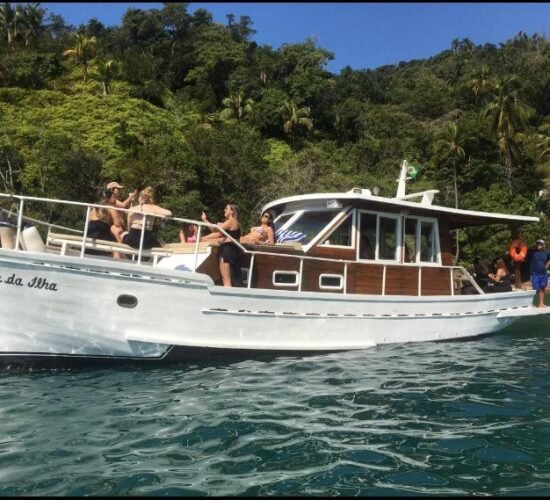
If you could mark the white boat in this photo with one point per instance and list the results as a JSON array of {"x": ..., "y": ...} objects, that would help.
[{"x": 367, "y": 270}]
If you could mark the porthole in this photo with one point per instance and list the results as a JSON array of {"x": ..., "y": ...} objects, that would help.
[
  {"x": 285, "y": 278},
  {"x": 128, "y": 301},
  {"x": 331, "y": 281}
]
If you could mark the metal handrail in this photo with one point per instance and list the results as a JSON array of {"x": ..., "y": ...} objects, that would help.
[{"x": 201, "y": 224}]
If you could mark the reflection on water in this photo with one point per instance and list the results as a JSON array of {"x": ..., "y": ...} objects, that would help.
[{"x": 430, "y": 418}]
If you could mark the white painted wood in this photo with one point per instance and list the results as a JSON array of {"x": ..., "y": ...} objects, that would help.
[{"x": 67, "y": 321}]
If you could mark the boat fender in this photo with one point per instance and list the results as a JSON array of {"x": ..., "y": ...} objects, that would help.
[{"x": 517, "y": 251}]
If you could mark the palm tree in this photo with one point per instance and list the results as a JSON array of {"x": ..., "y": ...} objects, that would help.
[
  {"x": 480, "y": 81},
  {"x": 9, "y": 20},
  {"x": 544, "y": 141},
  {"x": 107, "y": 71},
  {"x": 83, "y": 52},
  {"x": 32, "y": 16},
  {"x": 449, "y": 147},
  {"x": 294, "y": 118},
  {"x": 236, "y": 107},
  {"x": 508, "y": 117}
]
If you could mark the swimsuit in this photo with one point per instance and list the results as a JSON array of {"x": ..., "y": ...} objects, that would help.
[{"x": 229, "y": 253}]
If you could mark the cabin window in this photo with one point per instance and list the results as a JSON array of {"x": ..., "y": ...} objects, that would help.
[
  {"x": 420, "y": 241},
  {"x": 367, "y": 241},
  {"x": 409, "y": 241},
  {"x": 281, "y": 221},
  {"x": 331, "y": 281},
  {"x": 342, "y": 235},
  {"x": 307, "y": 226},
  {"x": 379, "y": 236},
  {"x": 285, "y": 278},
  {"x": 387, "y": 238},
  {"x": 428, "y": 246}
]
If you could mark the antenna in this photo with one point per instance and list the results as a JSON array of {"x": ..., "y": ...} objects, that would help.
[{"x": 402, "y": 181}]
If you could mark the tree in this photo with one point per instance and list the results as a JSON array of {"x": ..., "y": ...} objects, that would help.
[
  {"x": 106, "y": 70},
  {"x": 83, "y": 52},
  {"x": 480, "y": 81},
  {"x": 295, "y": 118},
  {"x": 449, "y": 147},
  {"x": 508, "y": 117},
  {"x": 32, "y": 17},
  {"x": 216, "y": 55},
  {"x": 9, "y": 19},
  {"x": 11, "y": 165},
  {"x": 236, "y": 107}
]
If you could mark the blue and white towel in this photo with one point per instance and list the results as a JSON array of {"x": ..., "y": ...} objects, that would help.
[{"x": 288, "y": 236}]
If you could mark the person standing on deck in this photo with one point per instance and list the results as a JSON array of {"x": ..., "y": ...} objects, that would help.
[
  {"x": 228, "y": 252},
  {"x": 538, "y": 266}
]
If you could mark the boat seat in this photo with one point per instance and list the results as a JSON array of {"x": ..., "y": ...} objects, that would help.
[
  {"x": 31, "y": 241},
  {"x": 70, "y": 241},
  {"x": 267, "y": 247},
  {"x": 181, "y": 248}
]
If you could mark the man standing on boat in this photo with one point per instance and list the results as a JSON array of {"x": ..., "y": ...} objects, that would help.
[
  {"x": 116, "y": 188},
  {"x": 538, "y": 267}
]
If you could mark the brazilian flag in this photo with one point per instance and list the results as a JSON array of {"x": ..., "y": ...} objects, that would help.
[{"x": 413, "y": 170}]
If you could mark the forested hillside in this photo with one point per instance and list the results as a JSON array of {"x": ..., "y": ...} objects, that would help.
[{"x": 207, "y": 116}]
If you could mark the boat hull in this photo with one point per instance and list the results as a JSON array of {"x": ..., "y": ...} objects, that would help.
[{"x": 72, "y": 308}]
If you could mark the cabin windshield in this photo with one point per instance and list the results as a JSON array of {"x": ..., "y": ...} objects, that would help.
[
  {"x": 282, "y": 220},
  {"x": 342, "y": 235},
  {"x": 308, "y": 225}
]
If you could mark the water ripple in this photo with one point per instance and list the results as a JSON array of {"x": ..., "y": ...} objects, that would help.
[{"x": 434, "y": 418}]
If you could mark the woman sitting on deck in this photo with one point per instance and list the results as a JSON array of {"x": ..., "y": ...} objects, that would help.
[
  {"x": 101, "y": 219},
  {"x": 501, "y": 279},
  {"x": 264, "y": 233},
  {"x": 135, "y": 220},
  {"x": 188, "y": 233}
]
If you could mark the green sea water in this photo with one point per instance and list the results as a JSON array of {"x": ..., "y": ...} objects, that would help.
[{"x": 450, "y": 418}]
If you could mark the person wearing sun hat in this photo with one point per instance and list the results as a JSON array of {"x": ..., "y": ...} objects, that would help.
[
  {"x": 538, "y": 266},
  {"x": 116, "y": 188}
]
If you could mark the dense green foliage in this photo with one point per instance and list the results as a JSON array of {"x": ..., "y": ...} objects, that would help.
[{"x": 205, "y": 115}]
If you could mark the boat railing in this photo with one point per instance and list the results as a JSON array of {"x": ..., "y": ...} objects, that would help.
[
  {"x": 456, "y": 273},
  {"x": 20, "y": 206}
]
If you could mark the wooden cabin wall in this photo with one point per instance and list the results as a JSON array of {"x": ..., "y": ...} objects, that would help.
[
  {"x": 436, "y": 281},
  {"x": 401, "y": 280},
  {"x": 265, "y": 265},
  {"x": 362, "y": 278},
  {"x": 332, "y": 253},
  {"x": 445, "y": 242},
  {"x": 365, "y": 278},
  {"x": 211, "y": 267},
  {"x": 314, "y": 268}
]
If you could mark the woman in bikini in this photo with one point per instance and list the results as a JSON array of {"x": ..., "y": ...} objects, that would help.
[
  {"x": 263, "y": 233},
  {"x": 135, "y": 220}
]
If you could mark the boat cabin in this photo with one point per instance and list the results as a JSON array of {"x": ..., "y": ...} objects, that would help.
[
  {"x": 353, "y": 242},
  {"x": 360, "y": 243}
]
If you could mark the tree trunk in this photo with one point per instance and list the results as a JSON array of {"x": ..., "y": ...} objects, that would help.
[
  {"x": 456, "y": 206},
  {"x": 508, "y": 168},
  {"x": 104, "y": 83}
]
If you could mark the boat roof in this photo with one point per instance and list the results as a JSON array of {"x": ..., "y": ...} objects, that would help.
[{"x": 456, "y": 216}]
